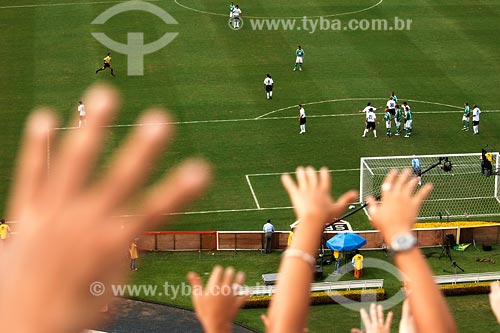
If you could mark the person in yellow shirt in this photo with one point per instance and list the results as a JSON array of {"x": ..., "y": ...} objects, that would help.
[
  {"x": 4, "y": 230},
  {"x": 107, "y": 64},
  {"x": 290, "y": 237},
  {"x": 133, "y": 254},
  {"x": 357, "y": 262},
  {"x": 338, "y": 261}
]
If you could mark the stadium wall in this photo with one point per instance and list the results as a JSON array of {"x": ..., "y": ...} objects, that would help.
[{"x": 254, "y": 240}]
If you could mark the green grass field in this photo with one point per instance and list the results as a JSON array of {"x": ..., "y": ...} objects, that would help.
[
  {"x": 472, "y": 313},
  {"x": 210, "y": 78}
]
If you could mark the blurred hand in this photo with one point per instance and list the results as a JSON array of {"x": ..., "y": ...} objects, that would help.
[
  {"x": 69, "y": 235},
  {"x": 399, "y": 205},
  {"x": 217, "y": 304},
  {"x": 311, "y": 196},
  {"x": 407, "y": 324},
  {"x": 374, "y": 323},
  {"x": 495, "y": 299}
]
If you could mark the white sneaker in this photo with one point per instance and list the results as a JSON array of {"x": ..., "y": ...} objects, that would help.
[{"x": 363, "y": 136}]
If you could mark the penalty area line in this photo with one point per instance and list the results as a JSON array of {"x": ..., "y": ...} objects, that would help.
[
  {"x": 213, "y": 211},
  {"x": 253, "y": 192}
]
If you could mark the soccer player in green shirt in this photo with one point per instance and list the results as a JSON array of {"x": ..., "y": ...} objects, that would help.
[
  {"x": 408, "y": 119},
  {"x": 231, "y": 8},
  {"x": 388, "y": 122},
  {"x": 107, "y": 64},
  {"x": 300, "y": 58},
  {"x": 394, "y": 97},
  {"x": 466, "y": 117},
  {"x": 398, "y": 118}
]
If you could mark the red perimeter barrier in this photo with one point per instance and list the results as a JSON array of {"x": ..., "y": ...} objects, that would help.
[{"x": 178, "y": 240}]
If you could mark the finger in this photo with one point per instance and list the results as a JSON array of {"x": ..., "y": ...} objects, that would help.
[
  {"x": 129, "y": 167},
  {"x": 80, "y": 147},
  {"x": 422, "y": 194},
  {"x": 194, "y": 280},
  {"x": 197, "y": 288},
  {"x": 312, "y": 177},
  {"x": 494, "y": 287},
  {"x": 228, "y": 276},
  {"x": 32, "y": 162},
  {"x": 325, "y": 180},
  {"x": 356, "y": 330},
  {"x": 241, "y": 300},
  {"x": 301, "y": 178},
  {"x": 388, "y": 321},
  {"x": 179, "y": 188},
  {"x": 346, "y": 199},
  {"x": 289, "y": 185},
  {"x": 405, "y": 312},
  {"x": 373, "y": 313},
  {"x": 372, "y": 205},
  {"x": 240, "y": 279},
  {"x": 380, "y": 314},
  {"x": 400, "y": 181},
  {"x": 388, "y": 183},
  {"x": 365, "y": 318},
  {"x": 216, "y": 276}
]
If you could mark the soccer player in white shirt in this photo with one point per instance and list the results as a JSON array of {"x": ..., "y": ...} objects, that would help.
[
  {"x": 268, "y": 85},
  {"x": 82, "y": 122},
  {"x": 236, "y": 17},
  {"x": 302, "y": 119},
  {"x": 367, "y": 108},
  {"x": 391, "y": 106},
  {"x": 371, "y": 118},
  {"x": 475, "y": 118}
]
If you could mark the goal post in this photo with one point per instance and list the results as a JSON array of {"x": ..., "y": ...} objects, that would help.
[{"x": 462, "y": 192}]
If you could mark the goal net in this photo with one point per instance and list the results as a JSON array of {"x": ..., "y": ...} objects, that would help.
[{"x": 462, "y": 192}]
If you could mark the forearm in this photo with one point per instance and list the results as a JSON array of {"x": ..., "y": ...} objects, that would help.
[
  {"x": 428, "y": 306},
  {"x": 288, "y": 311}
]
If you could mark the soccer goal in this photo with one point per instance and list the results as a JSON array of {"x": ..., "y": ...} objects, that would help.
[{"x": 461, "y": 189}]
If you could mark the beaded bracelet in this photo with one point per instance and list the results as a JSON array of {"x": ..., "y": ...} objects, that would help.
[{"x": 296, "y": 253}]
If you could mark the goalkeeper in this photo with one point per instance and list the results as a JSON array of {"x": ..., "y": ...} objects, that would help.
[
  {"x": 417, "y": 169},
  {"x": 486, "y": 163}
]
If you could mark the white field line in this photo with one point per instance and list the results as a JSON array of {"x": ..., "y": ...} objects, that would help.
[
  {"x": 237, "y": 210},
  {"x": 274, "y": 17},
  {"x": 214, "y": 121},
  {"x": 281, "y": 173},
  {"x": 65, "y": 4},
  {"x": 357, "y": 99},
  {"x": 212, "y": 211},
  {"x": 253, "y": 192}
]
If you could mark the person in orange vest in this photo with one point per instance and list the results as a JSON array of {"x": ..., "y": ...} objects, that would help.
[
  {"x": 357, "y": 262},
  {"x": 133, "y": 254}
]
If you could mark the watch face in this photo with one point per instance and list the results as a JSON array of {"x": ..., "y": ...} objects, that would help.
[{"x": 403, "y": 242}]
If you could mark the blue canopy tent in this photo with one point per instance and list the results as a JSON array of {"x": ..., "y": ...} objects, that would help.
[
  {"x": 342, "y": 242},
  {"x": 345, "y": 241}
]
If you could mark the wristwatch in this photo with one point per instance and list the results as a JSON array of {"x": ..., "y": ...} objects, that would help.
[{"x": 403, "y": 242}]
